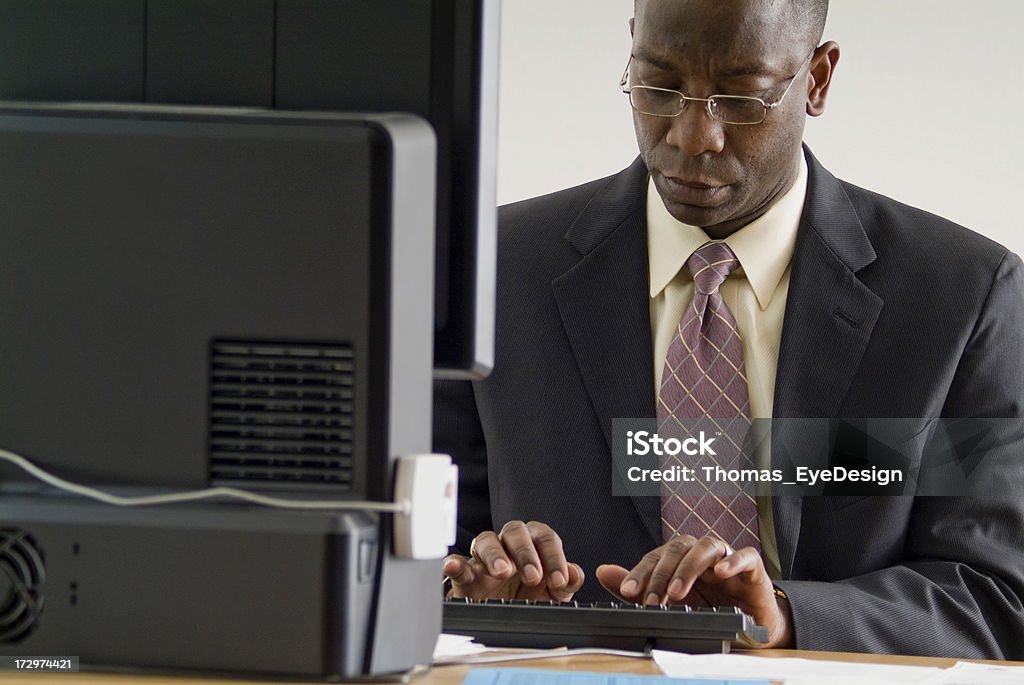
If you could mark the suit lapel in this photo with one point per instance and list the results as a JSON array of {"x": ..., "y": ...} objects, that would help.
[
  {"x": 604, "y": 304},
  {"x": 830, "y": 315}
]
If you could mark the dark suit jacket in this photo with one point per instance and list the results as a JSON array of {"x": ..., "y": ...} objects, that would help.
[{"x": 892, "y": 312}]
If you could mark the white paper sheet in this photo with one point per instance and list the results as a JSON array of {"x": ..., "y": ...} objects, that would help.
[
  {"x": 964, "y": 673},
  {"x": 455, "y": 646},
  {"x": 792, "y": 671}
]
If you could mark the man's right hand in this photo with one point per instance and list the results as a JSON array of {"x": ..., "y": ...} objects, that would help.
[{"x": 523, "y": 561}]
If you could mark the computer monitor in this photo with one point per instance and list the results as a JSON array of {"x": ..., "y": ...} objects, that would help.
[
  {"x": 196, "y": 297},
  {"x": 231, "y": 291},
  {"x": 434, "y": 58}
]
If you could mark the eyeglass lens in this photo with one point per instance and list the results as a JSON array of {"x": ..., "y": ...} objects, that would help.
[{"x": 728, "y": 109}]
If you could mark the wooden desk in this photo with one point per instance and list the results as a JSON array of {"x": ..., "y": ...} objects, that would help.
[{"x": 453, "y": 675}]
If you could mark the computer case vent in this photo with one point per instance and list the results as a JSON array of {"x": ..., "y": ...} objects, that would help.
[
  {"x": 281, "y": 414},
  {"x": 21, "y": 585}
]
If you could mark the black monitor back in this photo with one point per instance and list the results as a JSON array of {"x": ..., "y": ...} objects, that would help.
[{"x": 195, "y": 298}]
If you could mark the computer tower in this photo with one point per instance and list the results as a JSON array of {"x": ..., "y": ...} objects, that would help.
[
  {"x": 219, "y": 589},
  {"x": 197, "y": 297}
]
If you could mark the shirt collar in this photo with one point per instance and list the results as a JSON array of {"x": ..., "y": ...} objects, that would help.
[{"x": 763, "y": 247}]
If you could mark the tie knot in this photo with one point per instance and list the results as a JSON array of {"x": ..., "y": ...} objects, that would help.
[{"x": 710, "y": 265}]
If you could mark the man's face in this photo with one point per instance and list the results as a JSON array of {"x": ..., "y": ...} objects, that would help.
[{"x": 710, "y": 174}]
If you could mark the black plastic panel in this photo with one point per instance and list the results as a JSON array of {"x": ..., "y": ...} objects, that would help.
[
  {"x": 65, "y": 50},
  {"x": 210, "y": 53}
]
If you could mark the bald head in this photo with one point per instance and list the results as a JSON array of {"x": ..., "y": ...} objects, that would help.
[
  {"x": 811, "y": 14},
  {"x": 798, "y": 21}
]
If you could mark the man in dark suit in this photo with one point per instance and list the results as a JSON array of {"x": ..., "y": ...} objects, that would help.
[{"x": 849, "y": 305}]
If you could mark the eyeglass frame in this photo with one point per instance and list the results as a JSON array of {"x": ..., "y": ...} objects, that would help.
[{"x": 684, "y": 98}]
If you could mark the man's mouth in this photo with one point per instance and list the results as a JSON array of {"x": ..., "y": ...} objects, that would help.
[{"x": 698, "y": 191}]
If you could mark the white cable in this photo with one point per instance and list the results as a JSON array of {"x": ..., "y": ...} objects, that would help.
[{"x": 24, "y": 464}]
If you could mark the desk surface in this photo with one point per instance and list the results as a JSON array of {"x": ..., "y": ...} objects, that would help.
[{"x": 453, "y": 675}]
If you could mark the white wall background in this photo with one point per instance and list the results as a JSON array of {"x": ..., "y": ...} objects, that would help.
[{"x": 927, "y": 106}]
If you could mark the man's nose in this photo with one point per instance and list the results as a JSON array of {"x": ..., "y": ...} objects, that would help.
[{"x": 694, "y": 132}]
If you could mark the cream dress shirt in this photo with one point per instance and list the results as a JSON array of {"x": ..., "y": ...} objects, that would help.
[{"x": 755, "y": 293}]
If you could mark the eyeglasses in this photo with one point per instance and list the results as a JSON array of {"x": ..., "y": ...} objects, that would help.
[{"x": 741, "y": 110}]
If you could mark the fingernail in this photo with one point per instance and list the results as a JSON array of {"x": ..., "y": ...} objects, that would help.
[
  {"x": 652, "y": 599},
  {"x": 629, "y": 587},
  {"x": 450, "y": 566},
  {"x": 500, "y": 567},
  {"x": 557, "y": 580},
  {"x": 675, "y": 587},
  {"x": 531, "y": 573}
]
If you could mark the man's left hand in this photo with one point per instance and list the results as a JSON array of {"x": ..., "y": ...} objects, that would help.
[{"x": 714, "y": 572}]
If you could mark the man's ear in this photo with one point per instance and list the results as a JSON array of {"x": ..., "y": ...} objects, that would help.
[{"x": 823, "y": 68}]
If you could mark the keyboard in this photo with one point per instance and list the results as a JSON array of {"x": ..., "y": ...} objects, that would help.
[{"x": 526, "y": 623}]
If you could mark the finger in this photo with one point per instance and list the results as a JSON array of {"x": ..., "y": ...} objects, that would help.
[
  {"x": 576, "y": 578},
  {"x": 702, "y": 556},
  {"x": 459, "y": 571},
  {"x": 575, "y": 582},
  {"x": 562, "y": 595},
  {"x": 517, "y": 540},
  {"x": 672, "y": 554},
  {"x": 491, "y": 553},
  {"x": 634, "y": 587},
  {"x": 744, "y": 561},
  {"x": 552, "y": 556},
  {"x": 611, "y": 578}
]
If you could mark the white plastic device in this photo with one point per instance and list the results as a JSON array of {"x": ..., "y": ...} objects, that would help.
[{"x": 430, "y": 484}]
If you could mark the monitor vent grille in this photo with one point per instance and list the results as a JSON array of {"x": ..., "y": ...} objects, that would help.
[{"x": 281, "y": 415}]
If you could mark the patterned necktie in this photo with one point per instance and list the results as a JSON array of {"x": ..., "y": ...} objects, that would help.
[{"x": 704, "y": 385}]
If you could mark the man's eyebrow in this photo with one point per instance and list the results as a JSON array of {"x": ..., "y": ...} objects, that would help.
[
  {"x": 654, "y": 60},
  {"x": 729, "y": 72},
  {"x": 744, "y": 70}
]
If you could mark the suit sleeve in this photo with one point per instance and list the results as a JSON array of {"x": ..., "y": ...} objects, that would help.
[
  {"x": 958, "y": 591},
  {"x": 458, "y": 432}
]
